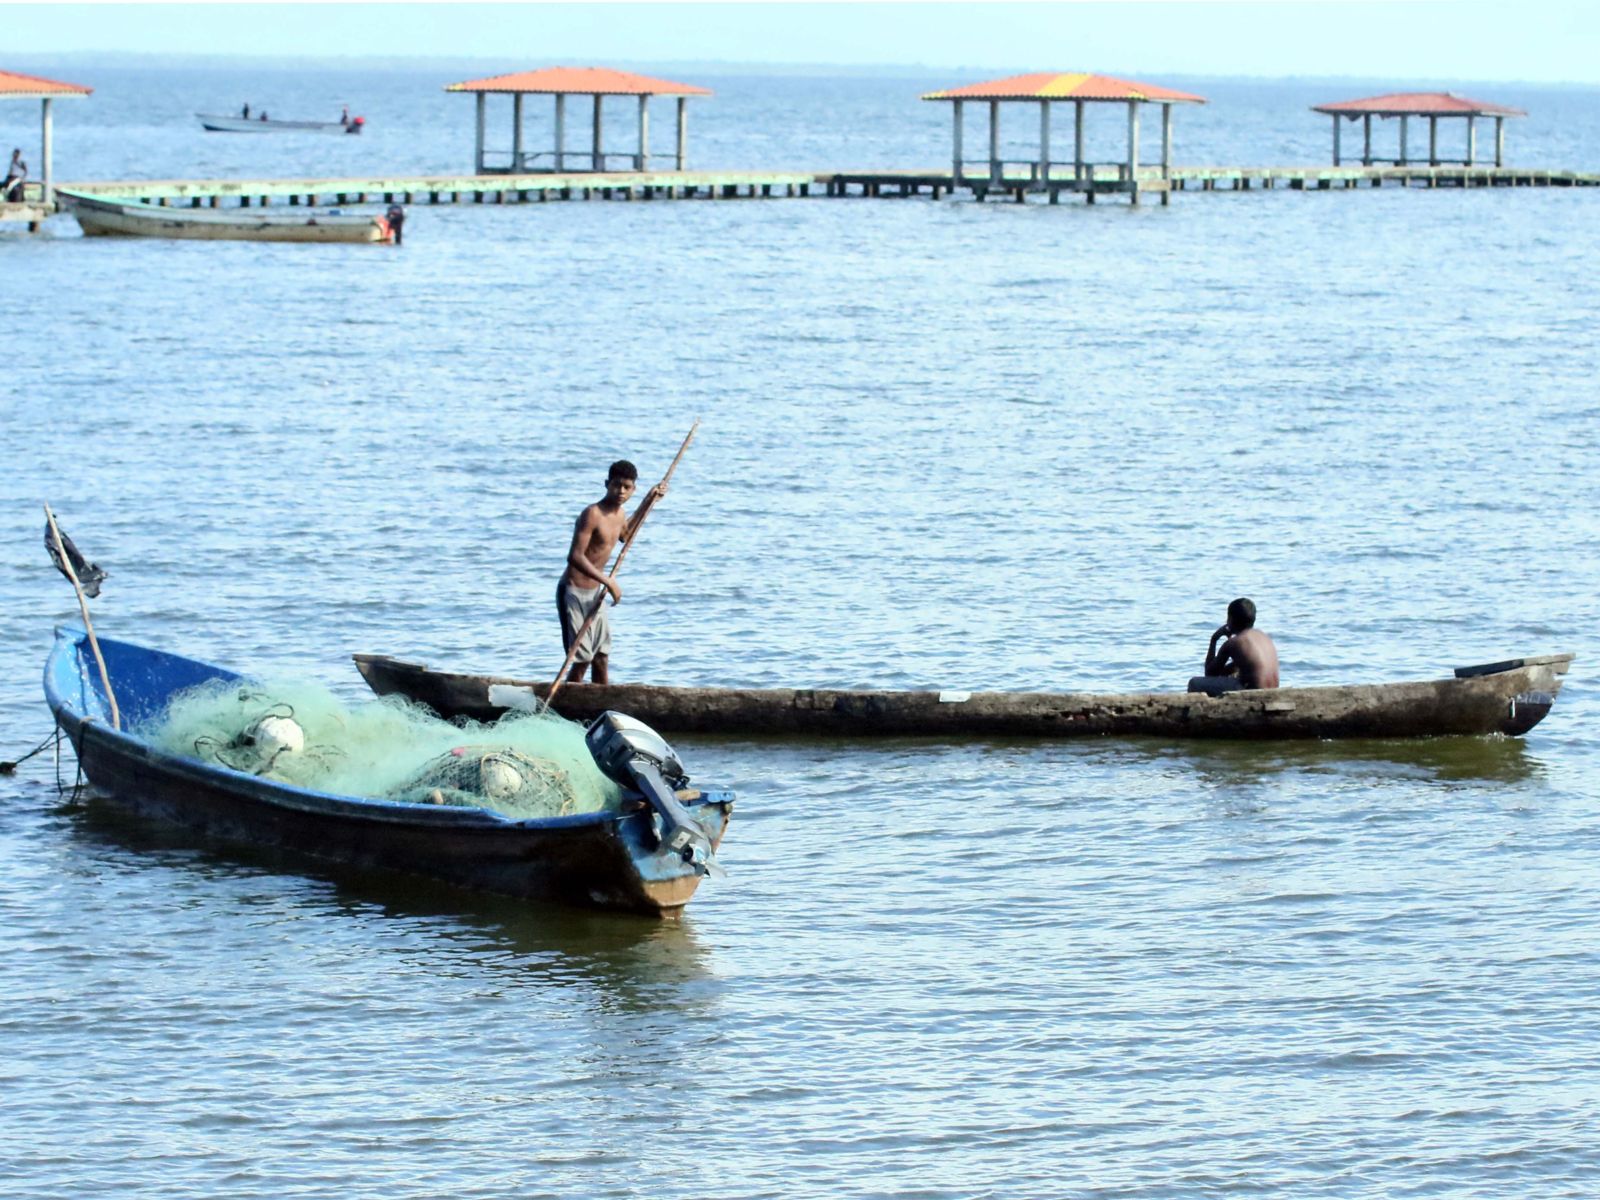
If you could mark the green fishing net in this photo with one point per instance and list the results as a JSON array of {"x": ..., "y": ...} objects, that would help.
[{"x": 524, "y": 765}]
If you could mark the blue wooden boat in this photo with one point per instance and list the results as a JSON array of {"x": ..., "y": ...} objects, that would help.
[{"x": 648, "y": 856}]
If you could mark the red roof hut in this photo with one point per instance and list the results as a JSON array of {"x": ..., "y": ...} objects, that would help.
[
  {"x": 1044, "y": 88},
  {"x": 14, "y": 86},
  {"x": 1432, "y": 105},
  {"x": 562, "y": 82}
]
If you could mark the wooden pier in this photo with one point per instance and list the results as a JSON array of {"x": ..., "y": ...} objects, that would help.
[
  {"x": 463, "y": 189},
  {"x": 1015, "y": 185}
]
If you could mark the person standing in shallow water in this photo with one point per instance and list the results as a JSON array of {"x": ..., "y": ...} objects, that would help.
[
  {"x": 583, "y": 584},
  {"x": 1245, "y": 660}
]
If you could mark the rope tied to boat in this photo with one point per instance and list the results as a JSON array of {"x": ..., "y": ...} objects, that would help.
[{"x": 10, "y": 767}]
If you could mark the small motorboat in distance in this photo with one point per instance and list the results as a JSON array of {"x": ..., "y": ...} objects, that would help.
[
  {"x": 213, "y": 123},
  {"x": 645, "y": 852},
  {"x": 100, "y": 217},
  {"x": 1509, "y": 697}
]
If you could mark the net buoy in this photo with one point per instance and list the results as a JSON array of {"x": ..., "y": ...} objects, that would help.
[
  {"x": 276, "y": 734},
  {"x": 501, "y": 780}
]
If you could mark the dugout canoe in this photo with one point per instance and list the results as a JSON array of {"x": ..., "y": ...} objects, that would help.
[
  {"x": 610, "y": 859},
  {"x": 1508, "y": 697},
  {"x": 100, "y": 217}
]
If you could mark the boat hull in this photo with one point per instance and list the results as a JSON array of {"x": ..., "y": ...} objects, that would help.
[
  {"x": 218, "y": 124},
  {"x": 1508, "y": 701},
  {"x": 100, "y": 218},
  {"x": 604, "y": 860}
]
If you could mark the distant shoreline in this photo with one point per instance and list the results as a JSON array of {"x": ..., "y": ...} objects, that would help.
[{"x": 69, "y": 62}]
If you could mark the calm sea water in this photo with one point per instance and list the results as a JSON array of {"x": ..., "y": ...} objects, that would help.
[{"x": 943, "y": 444}]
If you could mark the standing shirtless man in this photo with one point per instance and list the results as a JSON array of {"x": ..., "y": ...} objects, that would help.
[{"x": 584, "y": 584}]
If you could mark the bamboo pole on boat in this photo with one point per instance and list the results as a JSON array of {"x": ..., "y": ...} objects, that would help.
[
  {"x": 644, "y": 511},
  {"x": 88, "y": 625}
]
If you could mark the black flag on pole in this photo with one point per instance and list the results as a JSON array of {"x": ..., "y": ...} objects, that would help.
[{"x": 89, "y": 574}]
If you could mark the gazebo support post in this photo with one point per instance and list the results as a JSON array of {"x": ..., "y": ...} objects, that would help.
[
  {"x": 1366, "y": 139},
  {"x": 955, "y": 145},
  {"x": 994, "y": 143},
  {"x": 643, "y": 161},
  {"x": 1077, "y": 141},
  {"x": 561, "y": 131},
  {"x": 597, "y": 157},
  {"x": 1405, "y": 154},
  {"x": 516, "y": 132},
  {"x": 1499, "y": 141},
  {"x": 683, "y": 131},
  {"x": 1166, "y": 152},
  {"x": 1433, "y": 141},
  {"x": 1336, "y": 139},
  {"x": 1472, "y": 138},
  {"x": 1133, "y": 150},
  {"x": 1044, "y": 143},
  {"x": 45, "y": 148},
  {"x": 477, "y": 154}
]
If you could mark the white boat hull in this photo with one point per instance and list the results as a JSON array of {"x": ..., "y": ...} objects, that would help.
[
  {"x": 215, "y": 124},
  {"x": 105, "y": 218}
]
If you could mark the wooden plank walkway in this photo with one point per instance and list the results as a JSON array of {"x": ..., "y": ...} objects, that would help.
[
  {"x": 1105, "y": 180},
  {"x": 1101, "y": 180},
  {"x": 461, "y": 189},
  {"x": 31, "y": 211}
]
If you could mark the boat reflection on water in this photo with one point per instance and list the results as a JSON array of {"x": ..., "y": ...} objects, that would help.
[
  {"x": 1492, "y": 759},
  {"x": 630, "y": 963}
]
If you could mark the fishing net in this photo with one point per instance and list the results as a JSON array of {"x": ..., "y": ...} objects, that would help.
[
  {"x": 524, "y": 765},
  {"x": 506, "y": 780}
]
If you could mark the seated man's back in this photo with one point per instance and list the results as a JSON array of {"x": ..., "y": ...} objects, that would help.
[
  {"x": 1257, "y": 658},
  {"x": 1247, "y": 659}
]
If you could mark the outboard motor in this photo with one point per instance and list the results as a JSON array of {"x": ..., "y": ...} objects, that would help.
[
  {"x": 396, "y": 216},
  {"x": 633, "y": 754}
]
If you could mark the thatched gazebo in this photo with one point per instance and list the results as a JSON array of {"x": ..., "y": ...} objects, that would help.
[
  {"x": 15, "y": 86},
  {"x": 562, "y": 82},
  {"x": 1045, "y": 89},
  {"x": 1432, "y": 105}
]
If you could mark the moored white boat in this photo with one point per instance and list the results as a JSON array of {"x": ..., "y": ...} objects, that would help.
[{"x": 100, "y": 217}]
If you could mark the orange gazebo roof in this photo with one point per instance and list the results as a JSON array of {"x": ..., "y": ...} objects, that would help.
[
  {"x": 1054, "y": 85},
  {"x": 13, "y": 83},
  {"x": 583, "y": 81},
  {"x": 1413, "y": 104}
]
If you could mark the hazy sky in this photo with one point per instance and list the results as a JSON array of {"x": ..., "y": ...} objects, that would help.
[{"x": 1407, "y": 41}]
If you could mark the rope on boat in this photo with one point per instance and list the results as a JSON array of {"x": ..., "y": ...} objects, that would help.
[{"x": 8, "y": 768}]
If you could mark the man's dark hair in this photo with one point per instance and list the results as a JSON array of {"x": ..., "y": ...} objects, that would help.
[
  {"x": 1241, "y": 614},
  {"x": 622, "y": 469}
]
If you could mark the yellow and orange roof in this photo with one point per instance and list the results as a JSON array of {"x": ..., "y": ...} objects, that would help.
[
  {"x": 1054, "y": 85},
  {"x": 583, "y": 81}
]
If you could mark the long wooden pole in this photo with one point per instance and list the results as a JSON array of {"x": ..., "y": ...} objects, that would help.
[
  {"x": 644, "y": 511},
  {"x": 88, "y": 625}
]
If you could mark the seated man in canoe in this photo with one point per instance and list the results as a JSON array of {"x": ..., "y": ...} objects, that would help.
[
  {"x": 584, "y": 583},
  {"x": 1245, "y": 660}
]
